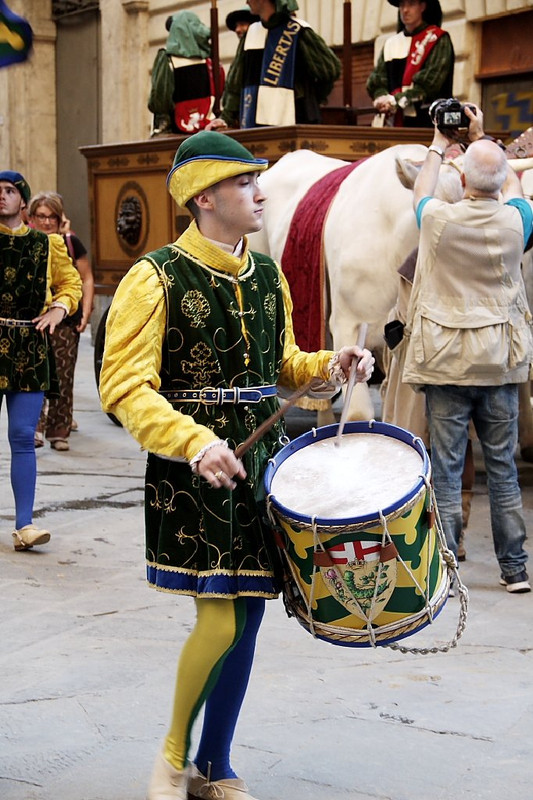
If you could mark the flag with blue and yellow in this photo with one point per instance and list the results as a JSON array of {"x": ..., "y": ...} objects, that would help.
[{"x": 16, "y": 37}]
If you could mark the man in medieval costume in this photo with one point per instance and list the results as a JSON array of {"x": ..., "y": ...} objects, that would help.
[
  {"x": 282, "y": 71},
  {"x": 182, "y": 92},
  {"x": 198, "y": 337},
  {"x": 414, "y": 68},
  {"x": 239, "y": 21}
]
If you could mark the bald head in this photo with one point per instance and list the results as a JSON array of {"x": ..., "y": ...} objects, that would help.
[{"x": 485, "y": 168}]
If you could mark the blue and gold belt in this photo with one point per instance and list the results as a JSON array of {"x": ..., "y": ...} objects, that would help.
[{"x": 210, "y": 396}]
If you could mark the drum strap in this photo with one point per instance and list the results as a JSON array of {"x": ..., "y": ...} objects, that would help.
[{"x": 321, "y": 558}]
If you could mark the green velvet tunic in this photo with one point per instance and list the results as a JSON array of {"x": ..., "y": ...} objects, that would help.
[
  {"x": 25, "y": 354},
  {"x": 200, "y": 540}
]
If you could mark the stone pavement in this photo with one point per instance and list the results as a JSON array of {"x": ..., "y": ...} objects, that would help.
[{"x": 88, "y": 655}]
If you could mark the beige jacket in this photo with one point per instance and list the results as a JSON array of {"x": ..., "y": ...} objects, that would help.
[{"x": 468, "y": 321}]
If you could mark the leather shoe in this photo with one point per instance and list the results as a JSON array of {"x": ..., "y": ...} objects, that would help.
[
  {"x": 59, "y": 444},
  {"x": 25, "y": 538},
  {"x": 201, "y": 788},
  {"x": 167, "y": 782}
]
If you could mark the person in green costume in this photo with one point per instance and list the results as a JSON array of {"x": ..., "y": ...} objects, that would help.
[
  {"x": 191, "y": 373},
  {"x": 239, "y": 21},
  {"x": 282, "y": 70},
  {"x": 414, "y": 68},
  {"x": 39, "y": 287},
  {"x": 182, "y": 90}
]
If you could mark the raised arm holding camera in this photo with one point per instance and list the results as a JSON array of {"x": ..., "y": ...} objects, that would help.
[{"x": 468, "y": 331}]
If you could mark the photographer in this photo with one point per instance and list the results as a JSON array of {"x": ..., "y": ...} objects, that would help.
[{"x": 468, "y": 333}]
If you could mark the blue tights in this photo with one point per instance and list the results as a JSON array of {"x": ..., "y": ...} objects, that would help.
[{"x": 23, "y": 410}]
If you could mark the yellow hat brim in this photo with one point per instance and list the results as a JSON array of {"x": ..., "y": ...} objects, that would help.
[{"x": 191, "y": 178}]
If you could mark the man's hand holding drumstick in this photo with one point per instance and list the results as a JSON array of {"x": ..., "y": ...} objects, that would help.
[
  {"x": 364, "y": 367},
  {"x": 220, "y": 466}
]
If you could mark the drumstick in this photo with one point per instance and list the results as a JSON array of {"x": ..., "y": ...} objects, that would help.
[
  {"x": 242, "y": 448},
  {"x": 351, "y": 381}
]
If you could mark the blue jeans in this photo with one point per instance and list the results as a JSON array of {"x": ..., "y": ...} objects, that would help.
[{"x": 494, "y": 412}]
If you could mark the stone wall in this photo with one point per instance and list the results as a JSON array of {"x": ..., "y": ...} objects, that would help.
[{"x": 28, "y": 102}]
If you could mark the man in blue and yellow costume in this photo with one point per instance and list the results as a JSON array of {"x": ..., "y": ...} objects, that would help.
[
  {"x": 199, "y": 335},
  {"x": 282, "y": 70},
  {"x": 39, "y": 286}
]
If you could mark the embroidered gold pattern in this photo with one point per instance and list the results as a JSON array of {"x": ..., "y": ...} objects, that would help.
[
  {"x": 250, "y": 420},
  {"x": 167, "y": 280},
  {"x": 195, "y": 307},
  {"x": 270, "y": 305},
  {"x": 236, "y": 313},
  {"x": 204, "y": 366}
]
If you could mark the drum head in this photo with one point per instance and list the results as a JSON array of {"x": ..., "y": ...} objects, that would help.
[{"x": 376, "y": 470}]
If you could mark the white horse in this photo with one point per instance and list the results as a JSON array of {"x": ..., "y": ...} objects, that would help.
[{"x": 369, "y": 231}]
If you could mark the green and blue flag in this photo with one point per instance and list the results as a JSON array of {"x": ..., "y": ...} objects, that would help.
[{"x": 16, "y": 37}]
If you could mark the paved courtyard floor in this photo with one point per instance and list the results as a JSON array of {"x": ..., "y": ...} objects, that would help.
[{"x": 88, "y": 656}]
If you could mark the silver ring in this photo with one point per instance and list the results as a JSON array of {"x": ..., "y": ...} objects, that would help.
[{"x": 219, "y": 475}]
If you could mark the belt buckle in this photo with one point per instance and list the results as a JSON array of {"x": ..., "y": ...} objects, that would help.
[
  {"x": 257, "y": 395},
  {"x": 210, "y": 401}
]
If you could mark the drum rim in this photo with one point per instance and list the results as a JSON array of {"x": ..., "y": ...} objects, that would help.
[{"x": 328, "y": 432}]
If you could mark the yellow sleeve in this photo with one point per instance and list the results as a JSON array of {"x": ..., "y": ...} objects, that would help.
[
  {"x": 129, "y": 380},
  {"x": 64, "y": 281},
  {"x": 299, "y": 367}
]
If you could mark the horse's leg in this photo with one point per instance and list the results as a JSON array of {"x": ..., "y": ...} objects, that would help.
[{"x": 361, "y": 405}]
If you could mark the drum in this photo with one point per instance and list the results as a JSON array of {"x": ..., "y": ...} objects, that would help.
[{"x": 355, "y": 520}]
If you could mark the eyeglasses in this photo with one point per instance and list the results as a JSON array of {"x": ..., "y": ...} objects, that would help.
[{"x": 46, "y": 217}]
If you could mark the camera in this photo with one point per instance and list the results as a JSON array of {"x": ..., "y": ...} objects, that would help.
[{"x": 449, "y": 114}]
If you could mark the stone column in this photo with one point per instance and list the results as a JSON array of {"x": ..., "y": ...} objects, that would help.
[
  {"x": 137, "y": 86},
  {"x": 125, "y": 69}
]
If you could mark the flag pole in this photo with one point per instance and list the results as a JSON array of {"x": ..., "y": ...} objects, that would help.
[
  {"x": 215, "y": 57},
  {"x": 347, "y": 55}
]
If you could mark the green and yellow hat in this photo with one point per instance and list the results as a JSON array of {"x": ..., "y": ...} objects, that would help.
[{"x": 206, "y": 158}]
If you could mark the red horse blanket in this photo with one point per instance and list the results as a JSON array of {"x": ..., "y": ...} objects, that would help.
[{"x": 303, "y": 259}]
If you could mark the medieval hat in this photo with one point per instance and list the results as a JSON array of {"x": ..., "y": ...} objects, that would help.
[
  {"x": 19, "y": 182},
  {"x": 188, "y": 37},
  {"x": 206, "y": 158},
  {"x": 286, "y": 5},
  {"x": 241, "y": 15},
  {"x": 432, "y": 13}
]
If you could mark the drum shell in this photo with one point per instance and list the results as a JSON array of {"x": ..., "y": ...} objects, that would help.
[{"x": 340, "y": 603}]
